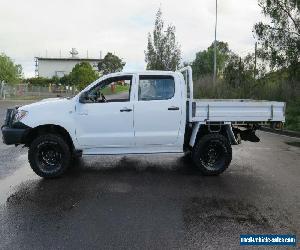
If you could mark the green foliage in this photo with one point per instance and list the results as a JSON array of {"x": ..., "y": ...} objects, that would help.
[
  {"x": 203, "y": 65},
  {"x": 239, "y": 72},
  {"x": 65, "y": 80},
  {"x": 9, "y": 72},
  {"x": 39, "y": 81},
  {"x": 293, "y": 115},
  {"x": 233, "y": 73},
  {"x": 110, "y": 64},
  {"x": 118, "y": 89},
  {"x": 82, "y": 75},
  {"x": 280, "y": 38},
  {"x": 55, "y": 80},
  {"x": 163, "y": 52},
  {"x": 236, "y": 71},
  {"x": 42, "y": 81}
]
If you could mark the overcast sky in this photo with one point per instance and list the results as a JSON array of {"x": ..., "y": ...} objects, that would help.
[{"x": 32, "y": 27}]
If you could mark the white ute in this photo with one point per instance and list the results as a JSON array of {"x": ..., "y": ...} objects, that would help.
[{"x": 137, "y": 113}]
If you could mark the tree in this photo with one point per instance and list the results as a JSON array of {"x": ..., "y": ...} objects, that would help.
[
  {"x": 110, "y": 64},
  {"x": 82, "y": 74},
  {"x": 203, "y": 65},
  {"x": 233, "y": 71},
  {"x": 163, "y": 52},
  {"x": 280, "y": 38},
  {"x": 65, "y": 80},
  {"x": 9, "y": 72},
  {"x": 239, "y": 72},
  {"x": 43, "y": 81},
  {"x": 38, "y": 81}
]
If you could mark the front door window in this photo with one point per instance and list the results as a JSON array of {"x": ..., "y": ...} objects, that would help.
[{"x": 116, "y": 89}]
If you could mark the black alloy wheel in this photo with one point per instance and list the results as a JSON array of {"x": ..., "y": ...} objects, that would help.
[{"x": 49, "y": 155}]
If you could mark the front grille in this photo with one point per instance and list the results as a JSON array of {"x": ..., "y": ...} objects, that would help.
[{"x": 10, "y": 114}]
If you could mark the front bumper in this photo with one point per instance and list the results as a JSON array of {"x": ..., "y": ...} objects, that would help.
[
  {"x": 13, "y": 132},
  {"x": 13, "y": 135}
]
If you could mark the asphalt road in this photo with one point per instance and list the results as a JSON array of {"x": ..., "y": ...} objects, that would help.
[{"x": 151, "y": 202}]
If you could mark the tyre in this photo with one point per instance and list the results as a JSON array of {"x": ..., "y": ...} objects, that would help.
[
  {"x": 49, "y": 155},
  {"x": 212, "y": 154}
]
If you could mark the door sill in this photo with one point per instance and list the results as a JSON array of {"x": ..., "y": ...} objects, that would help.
[{"x": 131, "y": 151}]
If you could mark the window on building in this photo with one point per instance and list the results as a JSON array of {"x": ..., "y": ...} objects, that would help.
[{"x": 60, "y": 73}]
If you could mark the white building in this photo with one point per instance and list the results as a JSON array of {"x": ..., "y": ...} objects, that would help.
[{"x": 49, "y": 66}]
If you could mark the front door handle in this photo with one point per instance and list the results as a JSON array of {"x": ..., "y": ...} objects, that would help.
[
  {"x": 125, "y": 110},
  {"x": 173, "y": 108}
]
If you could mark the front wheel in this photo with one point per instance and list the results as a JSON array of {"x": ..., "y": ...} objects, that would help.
[
  {"x": 212, "y": 154},
  {"x": 49, "y": 156}
]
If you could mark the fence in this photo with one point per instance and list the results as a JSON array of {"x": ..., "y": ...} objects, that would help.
[{"x": 28, "y": 91}]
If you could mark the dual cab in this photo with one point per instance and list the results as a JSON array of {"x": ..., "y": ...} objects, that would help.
[{"x": 136, "y": 113}]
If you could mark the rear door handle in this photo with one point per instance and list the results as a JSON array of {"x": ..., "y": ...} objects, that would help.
[
  {"x": 125, "y": 110},
  {"x": 173, "y": 108}
]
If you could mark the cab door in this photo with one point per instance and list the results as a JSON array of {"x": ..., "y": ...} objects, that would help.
[
  {"x": 157, "y": 111},
  {"x": 105, "y": 118}
]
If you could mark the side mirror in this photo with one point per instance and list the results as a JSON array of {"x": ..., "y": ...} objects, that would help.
[{"x": 83, "y": 97}]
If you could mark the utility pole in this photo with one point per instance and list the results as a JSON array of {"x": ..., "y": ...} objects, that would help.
[
  {"x": 2, "y": 89},
  {"x": 215, "y": 46},
  {"x": 255, "y": 60}
]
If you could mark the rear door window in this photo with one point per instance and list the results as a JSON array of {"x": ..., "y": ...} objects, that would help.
[{"x": 156, "y": 87}]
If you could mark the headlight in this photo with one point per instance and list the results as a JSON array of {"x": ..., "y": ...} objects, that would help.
[{"x": 20, "y": 115}]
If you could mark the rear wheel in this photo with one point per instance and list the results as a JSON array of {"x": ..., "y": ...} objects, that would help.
[
  {"x": 49, "y": 156},
  {"x": 212, "y": 154}
]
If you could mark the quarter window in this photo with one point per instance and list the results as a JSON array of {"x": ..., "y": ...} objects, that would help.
[{"x": 156, "y": 87}]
